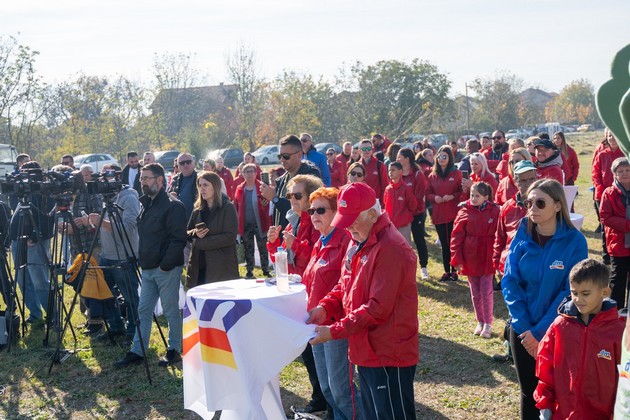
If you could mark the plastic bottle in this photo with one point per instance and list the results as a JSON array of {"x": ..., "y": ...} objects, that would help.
[{"x": 282, "y": 270}]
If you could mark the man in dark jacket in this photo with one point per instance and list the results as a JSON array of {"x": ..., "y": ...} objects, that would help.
[
  {"x": 131, "y": 172},
  {"x": 162, "y": 231}
]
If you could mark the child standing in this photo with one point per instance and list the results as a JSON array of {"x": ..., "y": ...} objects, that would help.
[
  {"x": 400, "y": 202},
  {"x": 471, "y": 251},
  {"x": 578, "y": 356}
]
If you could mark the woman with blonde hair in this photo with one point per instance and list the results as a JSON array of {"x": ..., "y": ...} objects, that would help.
[
  {"x": 507, "y": 186},
  {"x": 479, "y": 173}
]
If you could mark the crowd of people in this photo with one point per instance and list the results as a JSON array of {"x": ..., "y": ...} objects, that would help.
[{"x": 499, "y": 211}]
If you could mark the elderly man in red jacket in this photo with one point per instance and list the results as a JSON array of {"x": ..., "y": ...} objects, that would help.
[{"x": 374, "y": 306}]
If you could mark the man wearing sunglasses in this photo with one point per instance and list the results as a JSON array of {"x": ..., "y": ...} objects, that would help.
[
  {"x": 375, "y": 170},
  {"x": 499, "y": 148},
  {"x": 311, "y": 154},
  {"x": 290, "y": 157},
  {"x": 184, "y": 188}
]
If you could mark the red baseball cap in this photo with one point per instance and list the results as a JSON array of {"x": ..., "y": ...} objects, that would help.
[{"x": 351, "y": 201}]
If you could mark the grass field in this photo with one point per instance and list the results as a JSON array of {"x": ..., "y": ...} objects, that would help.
[{"x": 455, "y": 378}]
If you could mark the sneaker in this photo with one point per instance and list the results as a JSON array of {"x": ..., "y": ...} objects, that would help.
[
  {"x": 445, "y": 277},
  {"x": 249, "y": 275},
  {"x": 487, "y": 331},
  {"x": 267, "y": 274},
  {"x": 424, "y": 273},
  {"x": 453, "y": 276},
  {"x": 130, "y": 358},
  {"x": 502, "y": 358},
  {"x": 310, "y": 408},
  {"x": 171, "y": 357},
  {"x": 478, "y": 328}
]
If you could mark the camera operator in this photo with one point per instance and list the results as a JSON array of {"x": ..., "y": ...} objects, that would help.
[
  {"x": 5, "y": 284},
  {"x": 35, "y": 279},
  {"x": 114, "y": 254}
]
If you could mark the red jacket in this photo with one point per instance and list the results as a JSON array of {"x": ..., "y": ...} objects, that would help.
[
  {"x": 570, "y": 166},
  {"x": 551, "y": 172},
  {"x": 502, "y": 168},
  {"x": 376, "y": 176},
  {"x": 238, "y": 177},
  {"x": 488, "y": 179},
  {"x": 601, "y": 173},
  {"x": 226, "y": 175},
  {"x": 577, "y": 364},
  {"x": 451, "y": 184},
  {"x": 400, "y": 203},
  {"x": 324, "y": 269},
  {"x": 263, "y": 208},
  {"x": 302, "y": 246},
  {"x": 473, "y": 237},
  {"x": 375, "y": 305},
  {"x": 426, "y": 168},
  {"x": 506, "y": 190},
  {"x": 418, "y": 184},
  {"x": 337, "y": 173},
  {"x": 510, "y": 218},
  {"x": 383, "y": 147},
  {"x": 612, "y": 213}
]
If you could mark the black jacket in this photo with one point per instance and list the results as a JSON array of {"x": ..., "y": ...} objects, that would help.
[
  {"x": 283, "y": 205},
  {"x": 136, "y": 182},
  {"x": 162, "y": 231},
  {"x": 41, "y": 206}
]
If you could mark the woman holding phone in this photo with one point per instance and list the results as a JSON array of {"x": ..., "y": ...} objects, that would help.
[{"x": 212, "y": 228}]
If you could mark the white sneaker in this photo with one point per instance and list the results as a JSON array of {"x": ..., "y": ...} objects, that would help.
[
  {"x": 425, "y": 273},
  {"x": 487, "y": 331},
  {"x": 478, "y": 328}
]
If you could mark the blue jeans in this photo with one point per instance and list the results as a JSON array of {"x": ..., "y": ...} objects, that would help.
[
  {"x": 34, "y": 279},
  {"x": 127, "y": 282},
  {"x": 165, "y": 286},
  {"x": 336, "y": 377}
]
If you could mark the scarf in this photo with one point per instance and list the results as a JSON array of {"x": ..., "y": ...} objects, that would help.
[{"x": 625, "y": 200}]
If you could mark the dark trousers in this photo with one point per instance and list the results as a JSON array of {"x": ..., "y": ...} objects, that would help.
[
  {"x": 619, "y": 269},
  {"x": 387, "y": 392},
  {"x": 418, "y": 230},
  {"x": 525, "y": 366},
  {"x": 250, "y": 233},
  {"x": 444, "y": 231},
  {"x": 605, "y": 255},
  {"x": 317, "y": 397}
]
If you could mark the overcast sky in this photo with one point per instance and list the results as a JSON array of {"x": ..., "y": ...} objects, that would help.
[{"x": 547, "y": 43}]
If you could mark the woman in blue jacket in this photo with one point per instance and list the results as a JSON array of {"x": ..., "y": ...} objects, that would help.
[{"x": 536, "y": 280}]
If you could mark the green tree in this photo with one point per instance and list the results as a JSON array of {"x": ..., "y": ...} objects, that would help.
[
  {"x": 575, "y": 104},
  {"x": 498, "y": 101}
]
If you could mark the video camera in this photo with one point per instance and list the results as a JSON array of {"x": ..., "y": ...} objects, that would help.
[
  {"x": 35, "y": 180},
  {"x": 107, "y": 182}
]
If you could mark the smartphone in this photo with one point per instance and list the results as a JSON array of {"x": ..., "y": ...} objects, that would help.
[
  {"x": 465, "y": 174},
  {"x": 264, "y": 177},
  {"x": 200, "y": 226}
]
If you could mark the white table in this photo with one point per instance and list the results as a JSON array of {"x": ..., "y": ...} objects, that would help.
[{"x": 238, "y": 335}]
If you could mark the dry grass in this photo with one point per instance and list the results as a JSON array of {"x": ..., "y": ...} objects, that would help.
[{"x": 456, "y": 377}]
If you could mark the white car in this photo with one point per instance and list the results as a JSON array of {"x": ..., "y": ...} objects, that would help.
[
  {"x": 95, "y": 160},
  {"x": 267, "y": 154}
]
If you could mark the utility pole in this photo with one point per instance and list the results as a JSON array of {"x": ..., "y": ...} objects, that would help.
[{"x": 467, "y": 110}]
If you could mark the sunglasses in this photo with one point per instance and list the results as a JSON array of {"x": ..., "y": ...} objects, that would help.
[
  {"x": 366, "y": 149},
  {"x": 297, "y": 196},
  {"x": 442, "y": 157},
  {"x": 539, "y": 203},
  {"x": 330, "y": 154},
  {"x": 304, "y": 140},
  {"x": 356, "y": 174},
  {"x": 185, "y": 162},
  {"x": 318, "y": 210},
  {"x": 497, "y": 138},
  {"x": 287, "y": 156}
]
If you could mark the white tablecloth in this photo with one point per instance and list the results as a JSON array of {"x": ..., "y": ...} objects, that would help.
[{"x": 238, "y": 335}]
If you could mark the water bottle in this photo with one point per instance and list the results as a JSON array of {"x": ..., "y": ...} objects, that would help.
[{"x": 282, "y": 270}]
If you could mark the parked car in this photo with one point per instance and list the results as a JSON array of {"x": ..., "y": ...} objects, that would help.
[
  {"x": 166, "y": 158},
  {"x": 95, "y": 160},
  {"x": 267, "y": 154},
  {"x": 322, "y": 147},
  {"x": 585, "y": 127},
  {"x": 231, "y": 157}
]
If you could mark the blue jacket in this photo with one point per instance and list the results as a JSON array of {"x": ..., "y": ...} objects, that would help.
[
  {"x": 322, "y": 164},
  {"x": 529, "y": 267}
]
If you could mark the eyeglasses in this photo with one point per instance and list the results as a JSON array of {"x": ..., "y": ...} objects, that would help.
[
  {"x": 305, "y": 140},
  {"x": 298, "y": 196},
  {"x": 366, "y": 149},
  {"x": 416, "y": 146},
  {"x": 330, "y": 154},
  {"x": 145, "y": 178},
  {"x": 356, "y": 174},
  {"x": 68, "y": 163},
  {"x": 318, "y": 210},
  {"x": 442, "y": 157},
  {"x": 539, "y": 203},
  {"x": 185, "y": 162},
  {"x": 497, "y": 138},
  {"x": 249, "y": 171},
  {"x": 287, "y": 156}
]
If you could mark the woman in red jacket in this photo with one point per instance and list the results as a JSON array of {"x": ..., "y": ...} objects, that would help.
[
  {"x": 337, "y": 169},
  {"x": 444, "y": 189},
  {"x": 474, "y": 229},
  {"x": 321, "y": 275},
  {"x": 300, "y": 235},
  {"x": 480, "y": 172},
  {"x": 570, "y": 163},
  {"x": 507, "y": 186},
  {"x": 614, "y": 215}
]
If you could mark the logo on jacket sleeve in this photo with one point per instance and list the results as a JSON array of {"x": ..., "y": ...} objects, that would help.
[
  {"x": 557, "y": 265},
  {"x": 603, "y": 354},
  {"x": 401, "y": 199},
  {"x": 343, "y": 203}
]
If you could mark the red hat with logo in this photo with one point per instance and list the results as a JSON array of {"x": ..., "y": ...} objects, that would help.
[{"x": 351, "y": 201}]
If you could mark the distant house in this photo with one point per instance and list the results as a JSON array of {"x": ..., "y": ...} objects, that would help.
[
  {"x": 193, "y": 106},
  {"x": 536, "y": 98}
]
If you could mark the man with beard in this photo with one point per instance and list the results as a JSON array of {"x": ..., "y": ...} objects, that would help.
[
  {"x": 131, "y": 172},
  {"x": 499, "y": 148},
  {"x": 548, "y": 161}
]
